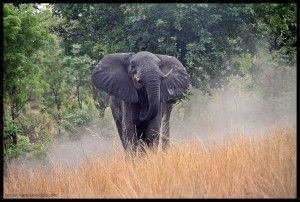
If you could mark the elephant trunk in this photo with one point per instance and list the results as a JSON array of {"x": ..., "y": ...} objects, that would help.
[{"x": 152, "y": 84}]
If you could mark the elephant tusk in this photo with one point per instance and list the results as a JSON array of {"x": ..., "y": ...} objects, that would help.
[
  {"x": 167, "y": 74},
  {"x": 136, "y": 78}
]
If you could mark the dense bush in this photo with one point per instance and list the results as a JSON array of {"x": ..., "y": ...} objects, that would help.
[{"x": 25, "y": 149}]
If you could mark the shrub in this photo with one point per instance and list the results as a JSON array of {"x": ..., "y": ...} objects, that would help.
[
  {"x": 10, "y": 127},
  {"x": 25, "y": 149}
]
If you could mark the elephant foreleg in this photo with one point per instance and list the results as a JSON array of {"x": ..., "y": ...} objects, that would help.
[
  {"x": 166, "y": 126},
  {"x": 152, "y": 131},
  {"x": 141, "y": 134},
  {"x": 115, "y": 106},
  {"x": 128, "y": 128}
]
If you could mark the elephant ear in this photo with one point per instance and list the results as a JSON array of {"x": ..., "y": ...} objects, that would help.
[
  {"x": 111, "y": 76},
  {"x": 176, "y": 79}
]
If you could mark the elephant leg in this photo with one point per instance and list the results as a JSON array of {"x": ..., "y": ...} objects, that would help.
[
  {"x": 115, "y": 106},
  {"x": 166, "y": 126},
  {"x": 140, "y": 128},
  {"x": 152, "y": 131},
  {"x": 139, "y": 131},
  {"x": 128, "y": 127},
  {"x": 119, "y": 127}
]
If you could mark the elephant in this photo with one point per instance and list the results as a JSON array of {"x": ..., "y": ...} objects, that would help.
[{"x": 142, "y": 88}]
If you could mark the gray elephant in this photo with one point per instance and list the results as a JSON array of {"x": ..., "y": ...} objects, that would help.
[{"x": 142, "y": 88}]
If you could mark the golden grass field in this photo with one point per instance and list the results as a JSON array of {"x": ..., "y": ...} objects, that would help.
[{"x": 261, "y": 167}]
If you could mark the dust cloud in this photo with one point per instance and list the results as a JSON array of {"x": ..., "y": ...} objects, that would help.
[
  {"x": 248, "y": 105},
  {"x": 228, "y": 113}
]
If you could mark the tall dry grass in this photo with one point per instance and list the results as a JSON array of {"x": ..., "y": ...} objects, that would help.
[{"x": 263, "y": 166}]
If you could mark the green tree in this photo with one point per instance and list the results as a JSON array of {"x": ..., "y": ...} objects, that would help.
[
  {"x": 77, "y": 73},
  {"x": 26, "y": 31},
  {"x": 280, "y": 25},
  {"x": 53, "y": 74}
]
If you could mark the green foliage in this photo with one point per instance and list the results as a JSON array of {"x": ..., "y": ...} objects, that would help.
[
  {"x": 78, "y": 118},
  {"x": 75, "y": 121},
  {"x": 35, "y": 132},
  {"x": 37, "y": 126},
  {"x": 77, "y": 73},
  {"x": 26, "y": 33},
  {"x": 279, "y": 23},
  {"x": 25, "y": 149},
  {"x": 89, "y": 23},
  {"x": 246, "y": 63},
  {"x": 10, "y": 128},
  {"x": 27, "y": 37}
]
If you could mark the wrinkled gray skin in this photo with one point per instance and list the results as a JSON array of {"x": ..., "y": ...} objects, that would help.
[{"x": 141, "y": 88}]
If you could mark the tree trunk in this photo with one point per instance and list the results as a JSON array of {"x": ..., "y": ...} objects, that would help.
[
  {"x": 13, "y": 112},
  {"x": 78, "y": 93},
  {"x": 182, "y": 54},
  {"x": 58, "y": 107},
  {"x": 57, "y": 101}
]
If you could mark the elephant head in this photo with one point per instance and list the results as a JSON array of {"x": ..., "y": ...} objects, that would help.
[{"x": 123, "y": 74}]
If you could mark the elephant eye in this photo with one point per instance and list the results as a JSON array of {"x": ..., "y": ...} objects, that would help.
[{"x": 132, "y": 69}]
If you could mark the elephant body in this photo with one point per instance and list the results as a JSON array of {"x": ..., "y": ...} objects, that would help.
[
  {"x": 132, "y": 132},
  {"x": 142, "y": 88}
]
